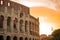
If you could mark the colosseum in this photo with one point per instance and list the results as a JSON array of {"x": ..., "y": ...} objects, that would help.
[{"x": 16, "y": 23}]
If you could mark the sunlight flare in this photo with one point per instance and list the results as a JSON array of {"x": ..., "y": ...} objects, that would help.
[{"x": 45, "y": 27}]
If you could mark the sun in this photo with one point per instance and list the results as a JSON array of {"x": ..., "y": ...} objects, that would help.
[{"x": 45, "y": 27}]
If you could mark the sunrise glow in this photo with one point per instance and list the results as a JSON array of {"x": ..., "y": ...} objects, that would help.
[{"x": 45, "y": 27}]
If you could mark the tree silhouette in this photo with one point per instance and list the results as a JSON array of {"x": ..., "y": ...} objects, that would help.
[{"x": 56, "y": 34}]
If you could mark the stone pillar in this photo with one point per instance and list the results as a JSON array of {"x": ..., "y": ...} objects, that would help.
[
  {"x": 12, "y": 14},
  {"x": 5, "y": 21},
  {"x": 11, "y": 37},
  {"x": 5, "y": 25},
  {"x": 4, "y": 36},
  {"x": 18, "y": 21},
  {"x": 23, "y": 22}
]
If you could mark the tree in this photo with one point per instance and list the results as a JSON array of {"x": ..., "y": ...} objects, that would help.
[{"x": 56, "y": 34}]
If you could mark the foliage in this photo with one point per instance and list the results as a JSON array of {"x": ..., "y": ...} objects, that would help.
[{"x": 56, "y": 34}]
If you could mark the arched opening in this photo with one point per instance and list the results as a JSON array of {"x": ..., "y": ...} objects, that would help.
[
  {"x": 15, "y": 38},
  {"x": 1, "y": 2},
  {"x": 8, "y": 38},
  {"x": 9, "y": 24},
  {"x": 26, "y": 38},
  {"x": 1, "y": 37},
  {"x": 21, "y": 38},
  {"x": 26, "y": 25},
  {"x": 21, "y": 14},
  {"x": 30, "y": 39},
  {"x": 15, "y": 25},
  {"x": 8, "y": 21},
  {"x": 30, "y": 27},
  {"x": 21, "y": 26},
  {"x": 1, "y": 21},
  {"x": 33, "y": 39}
]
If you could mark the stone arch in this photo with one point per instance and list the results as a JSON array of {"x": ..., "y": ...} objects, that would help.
[
  {"x": 21, "y": 38},
  {"x": 21, "y": 14},
  {"x": 1, "y": 37},
  {"x": 16, "y": 20},
  {"x": 9, "y": 24},
  {"x": 15, "y": 24},
  {"x": 33, "y": 38},
  {"x": 21, "y": 26},
  {"x": 1, "y": 21},
  {"x": 8, "y": 21},
  {"x": 21, "y": 21},
  {"x": 30, "y": 39},
  {"x": 15, "y": 38},
  {"x": 26, "y": 25},
  {"x": 1, "y": 2},
  {"x": 26, "y": 38},
  {"x": 8, "y": 38}
]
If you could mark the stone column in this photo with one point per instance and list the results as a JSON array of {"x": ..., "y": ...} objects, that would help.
[
  {"x": 12, "y": 14},
  {"x": 5, "y": 21}
]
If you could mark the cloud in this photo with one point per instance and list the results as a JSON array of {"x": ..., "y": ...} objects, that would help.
[{"x": 37, "y": 3}]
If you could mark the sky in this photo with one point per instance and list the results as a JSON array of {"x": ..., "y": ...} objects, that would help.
[
  {"x": 48, "y": 12},
  {"x": 35, "y": 3},
  {"x": 49, "y": 19}
]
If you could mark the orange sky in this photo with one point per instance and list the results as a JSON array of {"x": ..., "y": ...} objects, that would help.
[
  {"x": 53, "y": 16},
  {"x": 43, "y": 10}
]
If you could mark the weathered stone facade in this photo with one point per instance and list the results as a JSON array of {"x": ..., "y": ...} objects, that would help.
[
  {"x": 14, "y": 22},
  {"x": 34, "y": 27}
]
